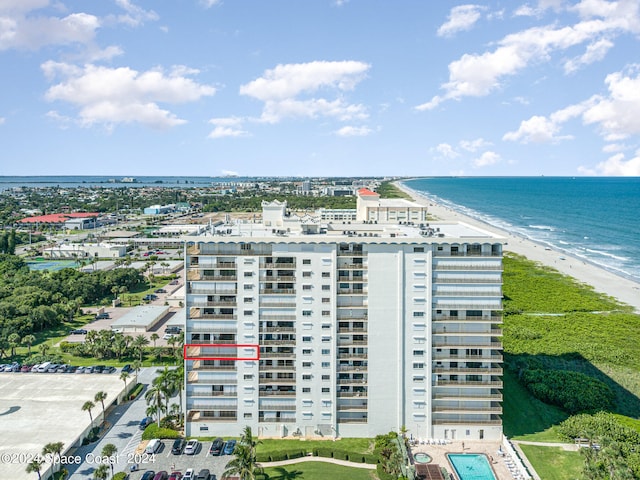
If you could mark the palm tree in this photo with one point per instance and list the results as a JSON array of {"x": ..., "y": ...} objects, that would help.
[
  {"x": 101, "y": 397},
  {"x": 28, "y": 340},
  {"x": 154, "y": 336},
  {"x": 14, "y": 341},
  {"x": 35, "y": 466},
  {"x": 54, "y": 448},
  {"x": 177, "y": 383},
  {"x": 243, "y": 465},
  {"x": 101, "y": 473},
  {"x": 44, "y": 348},
  {"x": 155, "y": 396},
  {"x": 110, "y": 450},
  {"x": 139, "y": 343},
  {"x": 124, "y": 376},
  {"x": 88, "y": 405}
]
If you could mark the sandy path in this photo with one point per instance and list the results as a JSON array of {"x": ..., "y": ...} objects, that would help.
[{"x": 623, "y": 289}]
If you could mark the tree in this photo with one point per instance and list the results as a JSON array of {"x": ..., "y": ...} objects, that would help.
[
  {"x": 154, "y": 336},
  {"x": 55, "y": 449},
  {"x": 137, "y": 365},
  {"x": 101, "y": 397},
  {"x": 101, "y": 473},
  {"x": 155, "y": 396},
  {"x": 88, "y": 405},
  {"x": 14, "y": 341},
  {"x": 124, "y": 376},
  {"x": 244, "y": 464},
  {"x": 35, "y": 466},
  {"x": 139, "y": 343},
  {"x": 28, "y": 340},
  {"x": 110, "y": 450}
]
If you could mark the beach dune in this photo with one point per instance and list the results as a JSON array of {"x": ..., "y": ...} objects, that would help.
[{"x": 623, "y": 289}]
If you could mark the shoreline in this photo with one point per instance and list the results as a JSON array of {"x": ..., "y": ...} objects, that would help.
[{"x": 623, "y": 289}]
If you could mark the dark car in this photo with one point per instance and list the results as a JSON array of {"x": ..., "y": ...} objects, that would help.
[
  {"x": 161, "y": 290},
  {"x": 109, "y": 369},
  {"x": 172, "y": 329},
  {"x": 70, "y": 369},
  {"x": 150, "y": 296},
  {"x": 148, "y": 475},
  {"x": 216, "y": 447},
  {"x": 161, "y": 475},
  {"x": 203, "y": 474},
  {"x": 144, "y": 422},
  {"x": 178, "y": 446},
  {"x": 98, "y": 369},
  {"x": 78, "y": 331},
  {"x": 103, "y": 315},
  {"x": 229, "y": 447},
  {"x": 127, "y": 368}
]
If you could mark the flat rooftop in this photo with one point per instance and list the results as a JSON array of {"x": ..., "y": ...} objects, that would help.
[
  {"x": 39, "y": 408},
  {"x": 141, "y": 317}
]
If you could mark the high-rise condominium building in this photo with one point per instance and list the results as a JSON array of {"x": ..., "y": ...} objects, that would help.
[{"x": 351, "y": 329}]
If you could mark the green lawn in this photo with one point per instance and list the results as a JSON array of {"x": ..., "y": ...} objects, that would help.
[
  {"x": 318, "y": 471},
  {"x": 356, "y": 445},
  {"x": 553, "y": 463}
]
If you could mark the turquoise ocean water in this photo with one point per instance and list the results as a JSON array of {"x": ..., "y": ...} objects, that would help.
[{"x": 593, "y": 218}]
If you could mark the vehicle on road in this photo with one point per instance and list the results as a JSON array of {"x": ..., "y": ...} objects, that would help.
[
  {"x": 229, "y": 447},
  {"x": 145, "y": 422},
  {"x": 203, "y": 474},
  {"x": 109, "y": 369},
  {"x": 127, "y": 368},
  {"x": 161, "y": 290},
  {"x": 78, "y": 331},
  {"x": 150, "y": 296},
  {"x": 190, "y": 474},
  {"x": 102, "y": 316},
  {"x": 191, "y": 448},
  {"x": 148, "y": 475},
  {"x": 216, "y": 447},
  {"x": 175, "y": 476},
  {"x": 161, "y": 475}
]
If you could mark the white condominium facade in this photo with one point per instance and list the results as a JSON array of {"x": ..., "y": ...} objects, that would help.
[{"x": 352, "y": 331}]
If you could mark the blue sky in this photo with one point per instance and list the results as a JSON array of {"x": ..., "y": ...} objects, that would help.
[{"x": 319, "y": 87}]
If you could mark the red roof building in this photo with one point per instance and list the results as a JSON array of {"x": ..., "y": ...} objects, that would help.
[{"x": 57, "y": 218}]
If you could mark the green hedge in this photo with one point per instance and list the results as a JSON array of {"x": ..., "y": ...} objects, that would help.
[
  {"x": 119, "y": 476},
  {"x": 574, "y": 392},
  {"x": 153, "y": 431},
  {"x": 136, "y": 391}
]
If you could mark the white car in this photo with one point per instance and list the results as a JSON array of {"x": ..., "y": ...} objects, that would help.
[
  {"x": 190, "y": 474},
  {"x": 192, "y": 447},
  {"x": 167, "y": 336}
]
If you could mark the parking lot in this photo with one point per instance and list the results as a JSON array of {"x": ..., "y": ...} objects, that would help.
[{"x": 165, "y": 460}]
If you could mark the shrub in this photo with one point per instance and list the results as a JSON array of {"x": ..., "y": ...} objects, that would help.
[
  {"x": 153, "y": 431},
  {"x": 120, "y": 476},
  {"x": 136, "y": 391},
  {"x": 324, "y": 452},
  {"x": 572, "y": 391},
  {"x": 262, "y": 458}
]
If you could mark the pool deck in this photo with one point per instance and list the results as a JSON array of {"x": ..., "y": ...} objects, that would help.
[{"x": 490, "y": 449}]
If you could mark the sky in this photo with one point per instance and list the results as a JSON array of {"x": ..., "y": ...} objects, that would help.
[{"x": 320, "y": 87}]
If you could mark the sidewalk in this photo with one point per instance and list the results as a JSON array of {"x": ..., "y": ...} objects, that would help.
[{"x": 335, "y": 461}]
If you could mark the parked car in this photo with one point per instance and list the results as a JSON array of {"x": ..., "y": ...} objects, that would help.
[
  {"x": 173, "y": 282},
  {"x": 78, "y": 331},
  {"x": 144, "y": 422},
  {"x": 203, "y": 474},
  {"x": 127, "y": 368},
  {"x": 190, "y": 474},
  {"x": 167, "y": 336},
  {"x": 172, "y": 329},
  {"x": 61, "y": 368},
  {"x": 12, "y": 367},
  {"x": 53, "y": 368},
  {"x": 216, "y": 447},
  {"x": 43, "y": 367},
  {"x": 150, "y": 296},
  {"x": 175, "y": 476},
  {"x": 103, "y": 315},
  {"x": 26, "y": 368},
  {"x": 161, "y": 290},
  {"x": 229, "y": 447},
  {"x": 192, "y": 447},
  {"x": 70, "y": 369},
  {"x": 88, "y": 370},
  {"x": 161, "y": 476},
  {"x": 109, "y": 369},
  {"x": 35, "y": 367},
  {"x": 148, "y": 475},
  {"x": 178, "y": 446},
  {"x": 98, "y": 369}
]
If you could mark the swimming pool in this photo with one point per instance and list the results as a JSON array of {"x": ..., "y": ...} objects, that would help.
[
  {"x": 471, "y": 466},
  {"x": 422, "y": 458}
]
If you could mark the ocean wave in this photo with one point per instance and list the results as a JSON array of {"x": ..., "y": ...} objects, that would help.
[
  {"x": 543, "y": 227},
  {"x": 607, "y": 254}
]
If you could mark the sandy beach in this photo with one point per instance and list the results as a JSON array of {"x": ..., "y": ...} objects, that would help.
[{"x": 603, "y": 281}]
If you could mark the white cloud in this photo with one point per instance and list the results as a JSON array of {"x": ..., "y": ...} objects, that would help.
[
  {"x": 474, "y": 145},
  {"x": 446, "y": 150},
  {"x": 486, "y": 159},
  {"x": 351, "y": 131},
  {"x": 480, "y": 74},
  {"x": 121, "y": 95},
  {"x": 210, "y": 3},
  {"x": 537, "y": 129},
  {"x": 227, "y": 127},
  {"x": 135, "y": 15},
  {"x": 21, "y": 32},
  {"x": 614, "y": 148},
  {"x": 230, "y": 173},
  {"x": 615, "y": 166},
  {"x": 279, "y": 89},
  {"x": 22, "y": 6},
  {"x": 461, "y": 17},
  {"x": 528, "y": 11},
  {"x": 596, "y": 51},
  {"x": 2, "y": 120}
]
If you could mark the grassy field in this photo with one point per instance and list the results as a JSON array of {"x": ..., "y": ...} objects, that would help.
[
  {"x": 553, "y": 463},
  {"x": 356, "y": 445},
  {"x": 388, "y": 190},
  {"x": 318, "y": 471}
]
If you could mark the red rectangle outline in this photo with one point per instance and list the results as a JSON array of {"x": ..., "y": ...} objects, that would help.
[{"x": 253, "y": 345}]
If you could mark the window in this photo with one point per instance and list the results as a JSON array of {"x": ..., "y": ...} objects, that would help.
[
  {"x": 326, "y": 339},
  {"x": 326, "y": 326},
  {"x": 326, "y": 378},
  {"x": 307, "y": 377},
  {"x": 326, "y": 351},
  {"x": 306, "y": 339},
  {"x": 306, "y": 287},
  {"x": 306, "y": 261},
  {"x": 248, "y": 415},
  {"x": 248, "y": 313},
  {"x": 326, "y": 300},
  {"x": 418, "y": 249},
  {"x": 418, "y": 314},
  {"x": 326, "y": 364},
  {"x": 248, "y": 274},
  {"x": 306, "y": 351},
  {"x": 418, "y": 353},
  {"x": 326, "y": 274},
  {"x": 418, "y": 365},
  {"x": 306, "y": 364},
  {"x": 306, "y": 390},
  {"x": 326, "y": 313},
  {"x": 248, "y": 376},
  {"x": 326, "y": 390},
  {"x": 306, "y": 313},
  {"x": 306, "y": 274},
  {"x": 248, "y": 286},
  {"x": 326, "y": 287},
  {"x": 248, "y": 299}
]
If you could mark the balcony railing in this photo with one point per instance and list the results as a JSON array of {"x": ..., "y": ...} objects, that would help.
[
  {"x": 349, "y": 341},
  {"x": 351, "y": 394},
  {"x": 277, "y": 291},
  {"x": 442, "y": 304},
  {"x": 352, "y": 381},
  {"x": 352, "y": 330},
  {"x": 284, "y": 318},
  {"x": 266, "y": 368},
  {"x": 266, "y": 304},
  {"x": 212, "y": 394},
  {"x": 276, "y": 420},
  {"x": 496, "y": 410},
  {"x": 196, "y": 416},
  {"x": 442, "y": 281},
  {"x": 278, "y": 265},
  {"x": 460, "y": 342},
  {"x": 351, "y": 407},
  {"x": 344, "y": 356},
  {"x": 277, "y": 355},
  {"x": 477, "y": 396},
  {"x": 200, "y": 365},
  {"x": 276, "y": 407},
  {"x": 462, "y": 330},
  {"x": 469, "y": 266},
  {"x": 213, "y": 316},
  {"x": 461, "y": 384},
  {"x": 463, "y": 357},
  {"x": 447, "y": 318},
  {"x": 352, "y": 368},
  {"x": 352, "y": 266},
  {"x": 465, "y": 421},
  {"x": 478, "y": 371},
  {"x": 291, "y": 341},
  {"x": 284, "y": 381},
  {"x": 275, "y": 278},
  {"x": 351, "y": 420},
  {"x": 214, "y": 303},
  {"x": 352, "y": 291},
  {"x": 277, "y": 393},
  {"x": 466, "y": 293},
  {"x": 349, "y": 253}
]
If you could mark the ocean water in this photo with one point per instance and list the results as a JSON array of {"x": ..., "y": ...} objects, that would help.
[{"x": 596, "y": 219}]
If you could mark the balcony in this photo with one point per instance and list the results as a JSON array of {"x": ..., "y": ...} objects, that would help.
[
  {"x": 273, "y": 368},
  {"x": 465, "y": 421},
  {"x": 468, "y": 266},
  {"x": 461, "y": 342},
  {"x": 462, "y": 330},
  {"x": 275, "y": 407},
  {"x": 278, "y": 265},
  {"x": 341, "y": 408},
  {"x": 277, "y": 291},
  {"x": 463, "y": 384},
  {"x": 344, "y": 356},
  {"x": 277, "y": 393},
  {"x": 284, "y": 381},
  {"x": 276, "y": 420},
  {"x": 212, "y": 316},
  {"x": 199, "y": 416},
  {"x": 352, "y": 330},
  {"x": 212, "y": 394},
  {"x": 442, "y": 281},
  {"x": 200, "y": 365},
  {"x": 479, "y": 396},
  {"x": 277, "y": 329},
  {"x": 264, "y": 355},
  {"x": 352, "y": 291},
  {"x": 213, "y": 342},
  {"x": 352, "y": 420},
  {"x": 467, "y": 293},
  {"x": 278, "y": 318},
  {"x": 471, "y": 371},
  {"x": 351, "y": 394},
  {"x": 221, "y": 289},
  {"x": 291, "y": 341},
  {"x": 352, "y": 381},
  {"x": 350, "y": 253},
  {"x": 352, "y": 266},
  {"x": 194, "y": 377},
  {"x": 463, "y": 357},
  {"x": 352, "y": 368},
  {"x": 265, "y": 304},
  {"x": 447, "y": 318},
  {"x": 275, "y": 278},
  {"x": 444, "y": 304},
  {"x": 496, "y": 410},
  {"x": 197, "y": 328},
  {"x": 214, "y": 303},
  {"x": 350, "y": 341}
]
